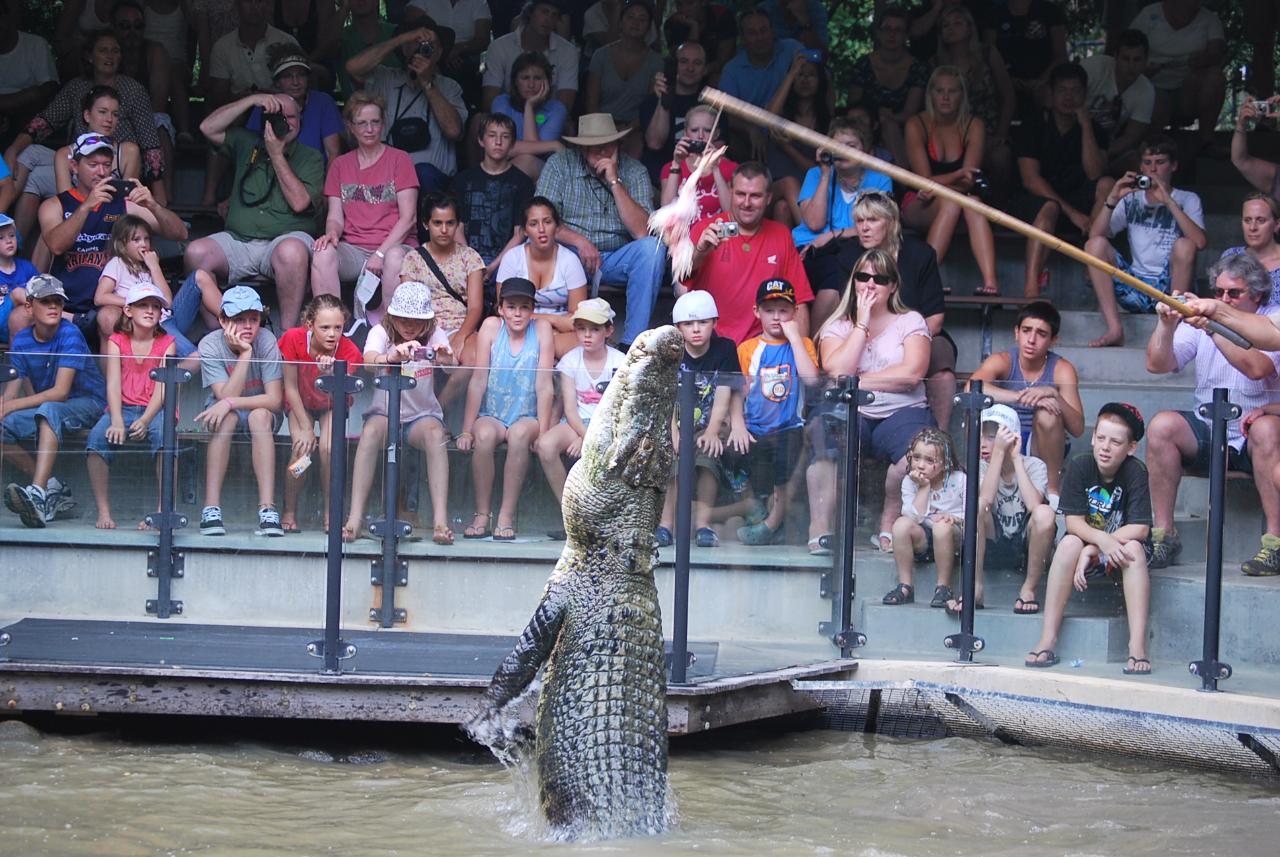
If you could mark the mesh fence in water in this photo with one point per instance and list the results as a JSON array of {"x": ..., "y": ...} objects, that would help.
[{"x": 915, "y": 709}]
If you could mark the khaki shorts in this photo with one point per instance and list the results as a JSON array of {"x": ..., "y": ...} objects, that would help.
[{"x": 249, "y": 259}]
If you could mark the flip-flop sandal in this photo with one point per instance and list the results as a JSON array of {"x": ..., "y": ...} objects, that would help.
[
  {"x": 987, "y": 291},
  {"x": 1028, "y": 607},
  {"x": 885, "y": 535},
  {"x": 1051, "y": 661},
  {"x": 1133, "y": 670},
  {"x": 941, "y": 595},
  {"x": 442, "y": 535},
  {"x": 504, "y": 534},
  {"x": 480, "y": 532}
]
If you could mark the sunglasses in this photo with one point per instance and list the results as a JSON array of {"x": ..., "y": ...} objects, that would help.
[
  {"x": 878, "y": 279},
  {"x": 1229, "y": 294}
]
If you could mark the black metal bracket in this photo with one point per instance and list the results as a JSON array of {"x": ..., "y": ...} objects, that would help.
[
  {"x": 166, "y": 563},
  {"x": 965, "y": 644},
  {"x": 343, "y": 649},
  {"x": 389, "y": 528},
  {"x": 1211, "y": 670},
  {"x": 1228, "y": 411}
]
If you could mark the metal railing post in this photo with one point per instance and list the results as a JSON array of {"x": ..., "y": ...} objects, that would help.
[
  {"x": 165, "y": 563},
  {"x": 1220, "y": 412},
  {"x": 331, "y": 647},
  {"x": 844, "y": 587},
  {"x": 972, "y": 403},
  {"x": 389, "y": 571},
  {"x": 686, "y": 395},
  {"x": 7, "y": 374}
]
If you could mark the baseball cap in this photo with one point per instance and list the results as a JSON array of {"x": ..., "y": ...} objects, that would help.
[
  {"x": 5, "y": 220},
  {"x": 140, "y": 291},
  {"x": 412, "y": 300},
  {"x": 1127, "y": 414},
  {"x": 238, "y": 299},
  {"x": 594, "y": 310},
  {"x": 288, "y": 61},
  {"x": 517, "y": 287},
  {"x": 45, "y": 286},
  {"x": 1003, "y": 416},
  {"x": 87, "y": 144},
  {"x": 776, "y": 289},
  {"x": 694, "y": 306}
]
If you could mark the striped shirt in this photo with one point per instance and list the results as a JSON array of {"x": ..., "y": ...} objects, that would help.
[
  {"x": 1214, "y": 370},
  {"x": 586, "y": 203}
]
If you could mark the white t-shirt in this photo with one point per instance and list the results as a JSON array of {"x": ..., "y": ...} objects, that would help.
[
  {"x": 574, "y": 365},
  {"x": 1172, "y": 47},
  {"x": 947, "y": 500},
  {"x": 1010, "y": 511},
  {"x": 553, "y": 298},
  {"x": 1152, "y": 229},
  {"x": 246, "y": 67},
  {"x": 460, "y": 16},
  {"x": 503, "y": 51},
  {"x": 125, "y": 279},
  {"x": 421, "y": 401},
  {"x": 29, "y": 64},
  {"x": 1108, "y": 111}
]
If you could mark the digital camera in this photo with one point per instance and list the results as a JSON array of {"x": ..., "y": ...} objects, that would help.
[
  {"x": 980, "y": 183},
  {"x": 1143, "y": 182},
  {"x": 279, "y": 124},
  {"x": 696, "y": 147},
  {"x": 1264, "y": 108},
  {"x": 424, "y": 352},
  {"x": 424, "y": 49},
  {"x": 728, "y": 229},
  {"x": 812, "y": 55}
]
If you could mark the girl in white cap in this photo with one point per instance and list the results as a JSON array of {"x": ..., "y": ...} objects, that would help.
[{"x": 410, "y": 341}]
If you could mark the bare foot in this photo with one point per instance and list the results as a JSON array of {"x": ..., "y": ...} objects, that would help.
[
  {"x": 143, "y": 525},
  {"x": 105, "y": 522},
  {"x": 350, "y": 531},
  {"x": 1110, "y": 339},
  {"x": 289, "y": 522}
]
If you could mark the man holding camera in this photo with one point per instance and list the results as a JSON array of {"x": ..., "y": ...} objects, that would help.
[
  {"x": 426, "y": 113},
  {"x": 271, "y": 218},
  {"x": 76, "y": 224},
  {"x": 735, "y": 252},
  {"x": 1166, "y": 230}
]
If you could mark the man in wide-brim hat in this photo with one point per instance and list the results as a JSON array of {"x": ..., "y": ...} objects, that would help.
[{"x": 604, "y": 198}]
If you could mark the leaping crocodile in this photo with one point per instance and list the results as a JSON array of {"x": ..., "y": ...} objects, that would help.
[{"x": 601, "y": 736}]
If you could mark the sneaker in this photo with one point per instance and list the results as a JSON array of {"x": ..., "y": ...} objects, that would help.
[
  {"x": 211, "y": 521},
  {"x": 58, "y": 500},
  {"x": 269, "y": 522},
  {"x": 1266, "y": 562},
  {"x": 663, "y": 537},
  {"x": 706, "y": 537},
  {"x": 1165, "y": 547},
  {"x": 27, "y": 503}
]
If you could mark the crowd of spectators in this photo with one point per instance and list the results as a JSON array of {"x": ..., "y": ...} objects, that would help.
[{"x": 455, "y": 186}]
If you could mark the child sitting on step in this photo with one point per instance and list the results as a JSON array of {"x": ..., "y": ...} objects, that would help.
[
  {"x": 309, "y": 351},
  {"x": 134, "y": 400},
  {"x": 508, "y": 399},
  {"x": 932, "y": 518}
]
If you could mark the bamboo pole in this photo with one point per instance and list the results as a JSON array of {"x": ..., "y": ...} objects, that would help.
[{"x": 773, "y": 122}]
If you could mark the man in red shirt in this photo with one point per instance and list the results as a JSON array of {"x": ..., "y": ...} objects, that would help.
[{"x": 737, "y": 250}]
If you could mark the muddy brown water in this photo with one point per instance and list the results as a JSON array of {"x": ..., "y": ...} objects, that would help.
[{"x": 148, "y": 791}]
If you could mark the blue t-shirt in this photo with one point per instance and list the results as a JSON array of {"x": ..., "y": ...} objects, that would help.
[
  {"x": 320, "y": 118},
  {"x": 23, "y": 271},
  {"x": 775, "y": 394},
  {"x": 40, "y": 361},
  {"x": 550, "y": 117},
  {"x": 755, "y": 84},
  {"x": 4, "y": 170},
  {"x": 839, "y": 212}
]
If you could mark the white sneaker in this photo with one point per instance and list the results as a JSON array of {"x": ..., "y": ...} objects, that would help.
[
  {"x": 27, "y": 503},
  {"x": 211, "y": 521},
  {"x": 58, "y": 500},
  {"x": 269, "y": 522}
]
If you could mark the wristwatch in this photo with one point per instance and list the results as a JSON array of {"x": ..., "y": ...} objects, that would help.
[{"x": 614, "y": 182}]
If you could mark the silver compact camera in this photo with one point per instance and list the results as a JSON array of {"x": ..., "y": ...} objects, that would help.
[
  {"x": 1264, "y": 108},
  {"x": 728, "y": 229},
  {"x": 1143, "y": 182}
]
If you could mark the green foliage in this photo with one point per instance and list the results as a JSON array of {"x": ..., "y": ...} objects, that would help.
[{"x": 40, "y": 17}]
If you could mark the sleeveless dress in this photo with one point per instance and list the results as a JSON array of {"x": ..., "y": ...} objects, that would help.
[{"x": 511, "y": 395}]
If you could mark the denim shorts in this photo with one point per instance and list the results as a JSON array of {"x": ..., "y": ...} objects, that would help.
[
  {"x": 242, "y": 427},
  {"x": 98, "y": 443},
  {"x": 1239, "y": 461},
  {"x": 71, "y": 415}
]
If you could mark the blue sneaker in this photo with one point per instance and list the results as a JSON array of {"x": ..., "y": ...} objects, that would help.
[{"x": 663, "y": 537}]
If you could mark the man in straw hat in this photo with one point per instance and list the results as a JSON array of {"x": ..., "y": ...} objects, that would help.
[{"x": 604, "y": 198}]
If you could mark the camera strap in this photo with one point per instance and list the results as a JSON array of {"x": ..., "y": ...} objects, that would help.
[{"x": 435, "y": 269}]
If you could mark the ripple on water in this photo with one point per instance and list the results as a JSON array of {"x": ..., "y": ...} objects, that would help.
[{"x": 746, "y": 794}]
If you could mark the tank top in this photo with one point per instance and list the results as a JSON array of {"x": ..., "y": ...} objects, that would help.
[
  {"x": 89, "y": 21},
  {"x": 1016, "y": 383},
  {"x": 136, "y": 385},
  {"x": 170, "y": 30},
  {"x": 936, "y": 166},
  {"x": 511, "y": 394},
  {"x": 81, "y": 266}
]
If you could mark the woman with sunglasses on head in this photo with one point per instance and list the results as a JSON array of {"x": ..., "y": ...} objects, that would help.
[
  {"x": 1258, "y": 221},
  {"x": 875, "y": 337}
]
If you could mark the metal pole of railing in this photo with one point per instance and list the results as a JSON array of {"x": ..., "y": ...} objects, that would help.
[
  {"x": 972, "y": 403},
  {"x": 331, "y": 647},
  {"x": 164, "y": 563},
  {"x": 1220, "y": 412},
  {"x": 840, "y": 629},
  {"x": 686, "y": 393},
  {"x": 7, "y": 374},
  {"x": 389, "y": 571}
]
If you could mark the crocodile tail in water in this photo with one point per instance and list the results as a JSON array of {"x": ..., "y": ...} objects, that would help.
[{"x": 601, "y": 736}]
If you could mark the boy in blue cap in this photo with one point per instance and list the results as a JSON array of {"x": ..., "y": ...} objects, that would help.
[{"x": 241, "y": 367}]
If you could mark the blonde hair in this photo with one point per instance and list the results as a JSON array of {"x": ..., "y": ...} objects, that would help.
[
  {"x": 878, "y": 205},
  {"x": 880, "y": 262},
  {"x": 962, "y": 113},
  {"x": 936, "y": 437},
  {"x": 394, "y": 335},
  {"x": 359, "y": 99}
]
